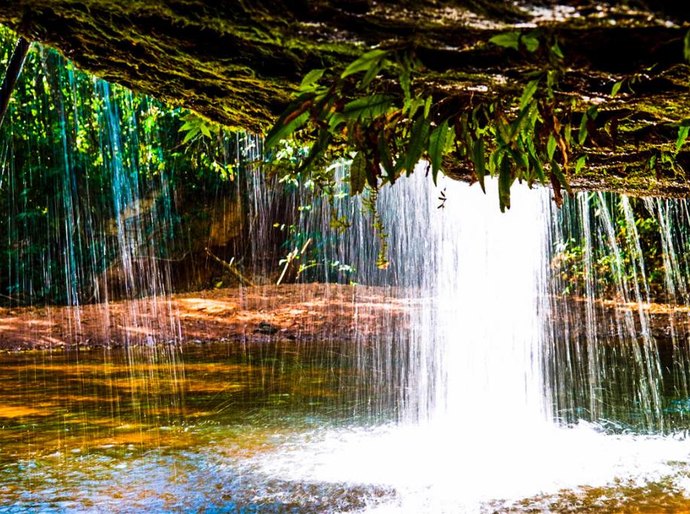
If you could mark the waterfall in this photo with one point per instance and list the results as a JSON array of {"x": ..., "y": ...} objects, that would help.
[
  {"x": 530, "y": 362},
  {"x": 489, "y": 309}
]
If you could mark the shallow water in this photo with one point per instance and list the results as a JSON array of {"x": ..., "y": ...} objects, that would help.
[
  {"x": 165, "y": 428},
  {"x": 286, "y": 428}
]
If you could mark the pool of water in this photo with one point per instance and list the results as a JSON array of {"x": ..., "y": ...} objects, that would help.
[
  {"x": 292, "y": 427},
  {"x": 171, "y": 429}
]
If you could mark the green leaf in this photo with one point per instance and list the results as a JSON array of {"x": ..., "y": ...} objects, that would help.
[
  {"x": 371, "y": 73},
  {"x": 582, "y": 132},
  {"x": 205, "y": 130},
  {"x": 418, "y": 142},
  {"x": 528, "y": 93},
  {"x": 531, "y": 42},
  {"x": 478, "y": 158},
  {"x": 520, "y": 156},
  {"x": 280, "y": 132},
  {"x": 557, "y": 172},
  {"x": 580, "y": 163},
  {"x": 358, "y": 173},
  {"x": 427, "y": 106},
  {"x": 507, "y": 40},
  {"x": 536, "y": 161},
  {"x": 364, "y": 62},
  {"x": 412, "y": 106},
  {"x": 556, "y": 51},
  {"x": 367, "y": 107},
  {"x": 334, "y": 121},
  {"x": 505, "y": 180},
  {"x": 191, "y": 134},
  {"x": 310, "y": 80},
  {"x": 438, "y": 141},
  {"x": 616, "y": 87},
  {"x": 683, "y": 131},
  {"x": 652, "y": 162},
  {"x": 686, "y": 46},
  {"x": 494, "y": 162},
  {"x": 551, "y": 147},
  {"x": 296, "y": 115},
  {"x": 568, "y": 136}
]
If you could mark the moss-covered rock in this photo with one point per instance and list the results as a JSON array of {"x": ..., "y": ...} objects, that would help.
[{"x": 238, "y": 63}]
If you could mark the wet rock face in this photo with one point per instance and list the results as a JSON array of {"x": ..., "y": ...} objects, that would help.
[{"x": 238, "y": 62}]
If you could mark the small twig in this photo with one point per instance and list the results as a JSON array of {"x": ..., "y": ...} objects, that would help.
[
  {"x": 231, "y": 267},
  {"x": 291, "y": 257}
]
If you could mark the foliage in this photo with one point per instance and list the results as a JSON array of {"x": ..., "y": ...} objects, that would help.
[
  {"x": 609, "y": 263},
  {"x": 87, "y": 176},
  {"x": 374, "y": 109}
]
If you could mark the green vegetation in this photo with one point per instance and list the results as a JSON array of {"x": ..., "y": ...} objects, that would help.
[
  {"x": 85, "y": 163},
  {"x": 390, "y": 124},
  {"x": 108, "y": 194},
  {"x": 606, "y": 239}
]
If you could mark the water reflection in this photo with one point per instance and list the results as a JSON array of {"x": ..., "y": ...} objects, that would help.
[
  {"x": 278, "y": 427},
  {"x": 170, "y": 429},
  {"x": 62, "y": 401}
]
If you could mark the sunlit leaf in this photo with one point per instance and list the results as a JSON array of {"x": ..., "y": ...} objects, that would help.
[
  {"x": 528, "y": 93},
  {"x": 683, "y": 131},
  {"x": 310, "y": 79},
  {"x": 507, "y": 40},
  {"x": 531, "y": 42},
  {"x": 580, "y": 164},
  {"x": 294, "y": 117},
  {"x": 438, "y": 141},
  {"x": 364, "y": 62},
  {"x": 427, "y": 106},
  {"x": 551, "y": 147},
  {"x": 367, "y": 107},
  {"x": 191, "y": 134}
]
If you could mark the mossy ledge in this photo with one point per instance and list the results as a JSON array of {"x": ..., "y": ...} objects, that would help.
[{"x": 238, "y": 62}]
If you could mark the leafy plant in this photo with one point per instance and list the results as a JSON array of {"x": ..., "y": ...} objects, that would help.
[{"x": 374, "y": 110}]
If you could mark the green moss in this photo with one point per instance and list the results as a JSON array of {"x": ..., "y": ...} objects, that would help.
[{"x": 238, "y": 63}]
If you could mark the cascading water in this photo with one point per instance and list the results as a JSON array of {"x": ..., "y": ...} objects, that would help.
[{"x": 507, "y": 390}]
